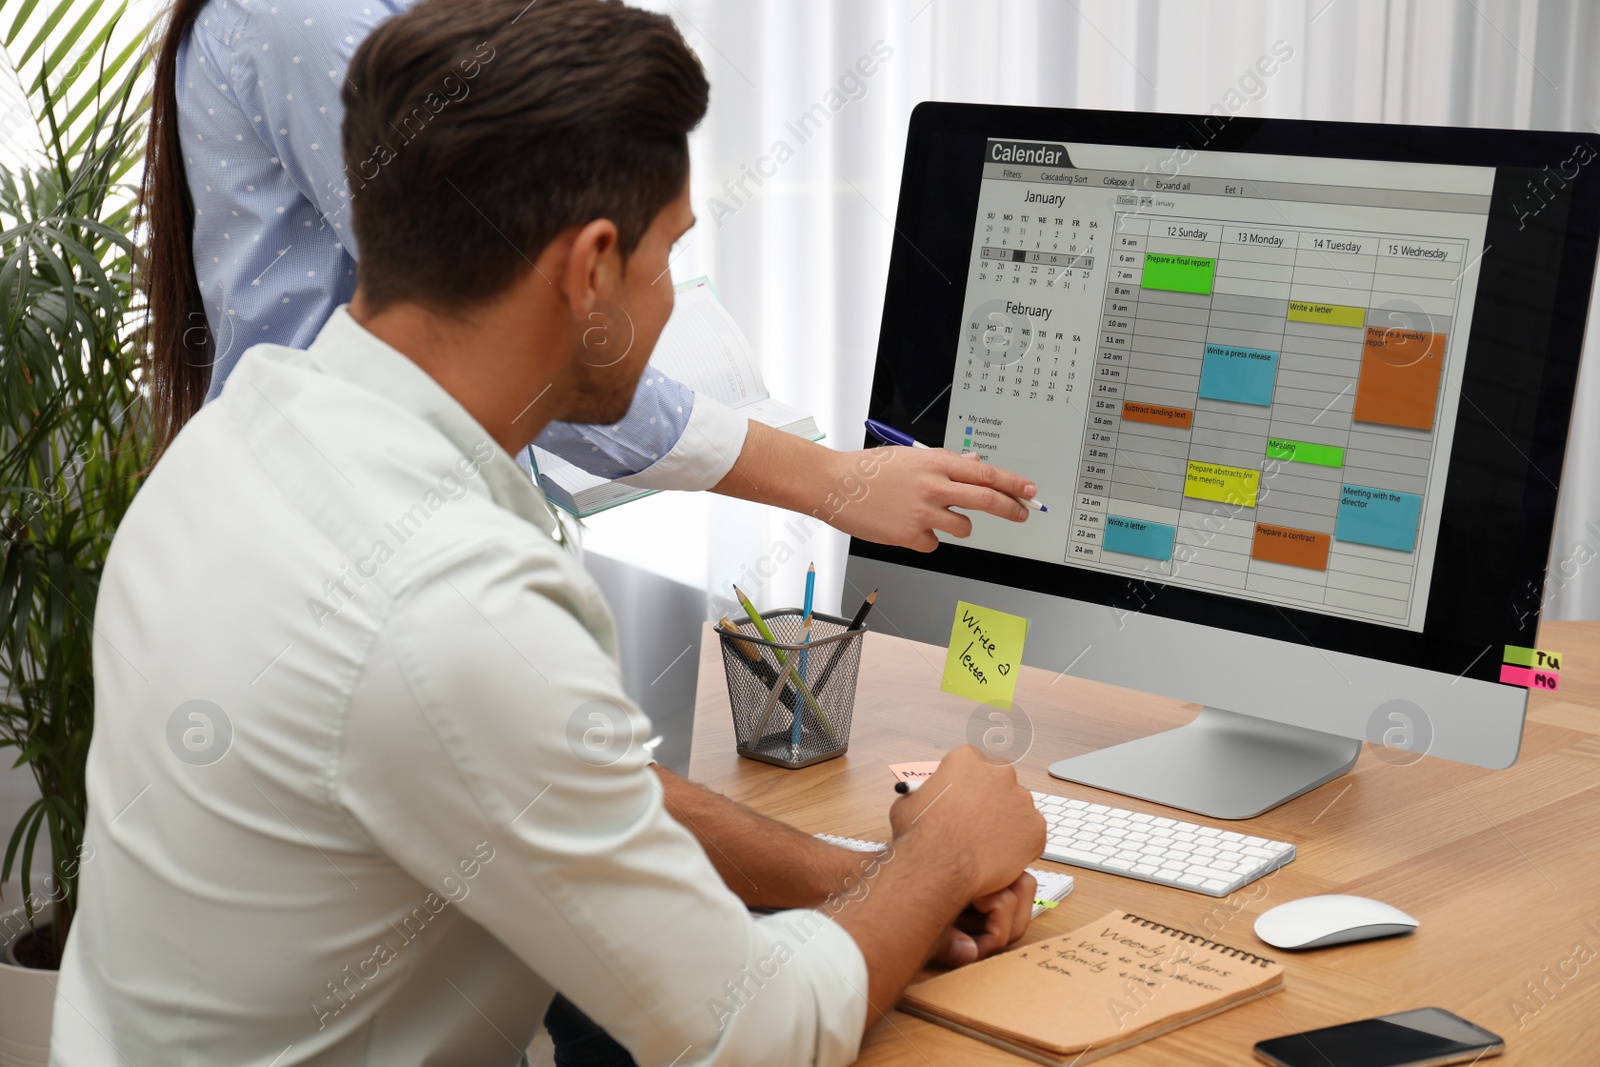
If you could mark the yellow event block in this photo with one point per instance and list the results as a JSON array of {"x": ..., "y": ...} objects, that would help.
[
  {"x": 1326, "y": 314},
  {"x": 985, "y": 652},
  {"x": 1228, "y": 485}
]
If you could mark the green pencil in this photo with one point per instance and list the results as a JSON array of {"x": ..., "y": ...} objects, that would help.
[{"x": 783, "y": 661}]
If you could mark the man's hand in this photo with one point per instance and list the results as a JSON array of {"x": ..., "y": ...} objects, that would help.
[
  {"x": 900, "y": 496},
  {"x": 988, "y": 924},
  {"x": 965, "y": 835},
  {"x": 977, "y": 812},
  {"x": 895, "y": 496}
]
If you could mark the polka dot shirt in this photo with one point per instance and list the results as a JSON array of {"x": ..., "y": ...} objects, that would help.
[{"x": 258, "y": 118}]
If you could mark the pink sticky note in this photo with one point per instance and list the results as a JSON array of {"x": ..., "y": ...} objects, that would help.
[
  {"x": 1528, "y": 678},
  {"x": 912, "y": 772}
]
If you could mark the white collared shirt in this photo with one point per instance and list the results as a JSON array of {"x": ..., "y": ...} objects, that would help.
[{"x": 364, "y": 786}]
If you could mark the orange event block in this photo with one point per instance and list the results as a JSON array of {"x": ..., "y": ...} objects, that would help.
[
  {"x": 1296, "y": 548},
  {"x": 1399, "y": 384},
  {"x": 1157, "y": 414}
]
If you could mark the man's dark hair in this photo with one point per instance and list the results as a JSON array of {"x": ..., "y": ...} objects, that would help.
[{"x": 476, "y": 131}]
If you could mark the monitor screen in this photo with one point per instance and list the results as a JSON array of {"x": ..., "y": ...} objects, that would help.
[
  {"x": 1243, "y": 381},
  {"x": 1303, "y": 381}
]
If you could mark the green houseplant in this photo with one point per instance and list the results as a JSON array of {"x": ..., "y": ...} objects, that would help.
[{"x": 72, "y": 441}]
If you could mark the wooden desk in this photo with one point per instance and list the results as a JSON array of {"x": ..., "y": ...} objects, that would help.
[{"x": 1501, "y": 867}]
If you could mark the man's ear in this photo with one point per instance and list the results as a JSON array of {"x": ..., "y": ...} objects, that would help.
[{"x": 594, "y": 266}]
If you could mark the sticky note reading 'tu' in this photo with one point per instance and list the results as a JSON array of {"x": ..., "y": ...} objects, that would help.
[{"x": 985, "y": 652}]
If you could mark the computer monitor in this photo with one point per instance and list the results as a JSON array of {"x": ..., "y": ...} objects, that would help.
[{"x": 1297, "y": 396}]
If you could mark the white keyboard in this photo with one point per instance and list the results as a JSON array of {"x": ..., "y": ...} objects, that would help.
[{"x": 1185, "y": 855}]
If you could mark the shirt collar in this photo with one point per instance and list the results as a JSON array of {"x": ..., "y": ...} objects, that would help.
[{"x": 345, "y": 349}]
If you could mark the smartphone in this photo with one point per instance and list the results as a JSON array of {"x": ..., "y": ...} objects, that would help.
[{"x": 1426, "y": 1037}]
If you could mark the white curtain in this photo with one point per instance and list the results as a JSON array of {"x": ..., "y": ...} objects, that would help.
[{"x": 801, "y": 258}]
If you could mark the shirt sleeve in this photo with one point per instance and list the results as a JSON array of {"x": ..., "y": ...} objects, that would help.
[
  {"x": 510, "y": 723},
  {"x": 671, "y": 438}
]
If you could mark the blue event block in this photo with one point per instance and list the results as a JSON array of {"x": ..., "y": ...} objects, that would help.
[
  {"x": 1382, "y": 518},
  {"x": 1138, "y": 537},
  {"x": 1242, "y": 375}
]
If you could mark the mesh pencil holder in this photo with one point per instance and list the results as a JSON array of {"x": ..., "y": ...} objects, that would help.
[{"x": 777, "y": 719}]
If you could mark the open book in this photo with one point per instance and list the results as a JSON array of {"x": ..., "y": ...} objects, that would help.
[
  {"x": 703, "y": 348},
  {"x": 1076, "y": 997}
]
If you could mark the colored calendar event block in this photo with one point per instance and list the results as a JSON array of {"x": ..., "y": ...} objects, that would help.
[
  {"x": 1305, "y": 452},
  {"x": 1378, "y": 517},
  {"x": 1157, "y": 414},
  {"x": 1294, "y": 548},
  {"x": 1178, "y": 274},
  {"x": 1226, "y": 485},
  {"x": 1138, "y": 537},
  {"x": 1399, "y": 383},
  {"x": 1240, "y": 375},
  {"x": 1326, "y": 314}
]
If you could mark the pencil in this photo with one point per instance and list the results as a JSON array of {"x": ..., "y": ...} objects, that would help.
[
  {"x": 811, "y": 592},
  {"x": 855, "y": 624},
  {"x": 865, "y": 610},
  {"x": 794, "y": 738},
  {"x": 760, "y": 668}
]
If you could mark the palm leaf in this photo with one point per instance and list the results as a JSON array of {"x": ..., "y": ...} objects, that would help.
[{"x": 72, "y": 440}]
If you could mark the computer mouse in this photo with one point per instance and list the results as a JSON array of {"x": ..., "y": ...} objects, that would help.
[{"x": 1313, "y": 922}]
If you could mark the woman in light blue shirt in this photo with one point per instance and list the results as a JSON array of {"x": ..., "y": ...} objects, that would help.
[{"x": 246, "y": 196}]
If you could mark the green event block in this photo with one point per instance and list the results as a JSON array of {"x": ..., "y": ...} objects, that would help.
[
  {"x": 1305, "y": 452},
  {"x": 1178, "y": 274}
]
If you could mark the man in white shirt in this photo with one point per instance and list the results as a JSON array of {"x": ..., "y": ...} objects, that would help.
[{"x": 342, "y": 805}]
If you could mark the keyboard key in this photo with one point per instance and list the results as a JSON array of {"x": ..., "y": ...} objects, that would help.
[{"x": 1071, "y": 855}]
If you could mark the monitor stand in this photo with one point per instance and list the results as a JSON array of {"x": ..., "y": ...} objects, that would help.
[{"x": 1223, "y": 764}]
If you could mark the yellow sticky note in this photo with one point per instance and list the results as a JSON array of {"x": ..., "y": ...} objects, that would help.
[{"x": 985, "y": 652}]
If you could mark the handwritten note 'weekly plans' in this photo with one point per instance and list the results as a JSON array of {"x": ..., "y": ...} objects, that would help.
[{"x": 985, "y": 652}]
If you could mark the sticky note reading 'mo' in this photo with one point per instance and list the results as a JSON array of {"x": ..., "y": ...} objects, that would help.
[{"x": 985, "y": 652}]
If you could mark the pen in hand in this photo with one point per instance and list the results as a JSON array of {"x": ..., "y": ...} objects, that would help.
[{"x": 891, "y": 436}]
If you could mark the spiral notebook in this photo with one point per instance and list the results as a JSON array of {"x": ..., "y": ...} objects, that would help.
[{"x": 1105, "y": 986}]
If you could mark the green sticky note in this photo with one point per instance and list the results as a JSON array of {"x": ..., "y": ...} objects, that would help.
[
  {"x": 985, "y": 652},
  {"x": 1538, "y": 658}
]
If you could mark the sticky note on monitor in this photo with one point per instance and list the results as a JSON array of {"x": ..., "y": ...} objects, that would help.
[
  {"x": 985, "y": 653},
  {"x": 1538, "y": 658},
  {"x": 1528, "y": 678}
]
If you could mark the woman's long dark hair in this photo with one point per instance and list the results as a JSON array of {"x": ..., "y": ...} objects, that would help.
[{"x": 178, "y": 343}]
